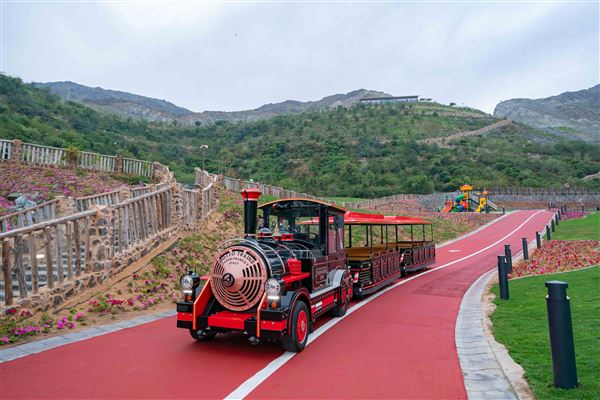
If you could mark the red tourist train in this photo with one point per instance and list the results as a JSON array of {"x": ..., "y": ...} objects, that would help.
[{"x": 301, "y": 264}]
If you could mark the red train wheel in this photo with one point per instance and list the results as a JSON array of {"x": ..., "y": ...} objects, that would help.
[{"x": 297, "y": 335}]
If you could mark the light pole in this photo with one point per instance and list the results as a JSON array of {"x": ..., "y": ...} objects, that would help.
[{"x": 204, "y": 147}]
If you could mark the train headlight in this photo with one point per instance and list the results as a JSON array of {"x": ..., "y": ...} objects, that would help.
[
  {"x": 272, "y": 287},
  {"x": 186, "y": 282}
]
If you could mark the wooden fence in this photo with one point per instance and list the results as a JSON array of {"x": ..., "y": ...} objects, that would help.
[
  {"x": 42, "y": 155},
  {"x": 191, "y": 197},
  {"x": 140, "y": 218},
  {"x": 42, "y": 254},
  {"x": 5, "y": 149},
  {"x": 137, "y": 167},
  {"x": 34, "y": 154},
  {"x": 103, "y": 199},
  {"x": 28, "y": 216},
  {"x": 96, "y": 162}
]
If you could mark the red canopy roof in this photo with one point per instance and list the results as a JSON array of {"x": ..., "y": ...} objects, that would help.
[{"x": 358, "y": 218}]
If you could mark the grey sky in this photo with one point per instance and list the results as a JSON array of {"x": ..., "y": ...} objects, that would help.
[{"x": 210, "y": 56}]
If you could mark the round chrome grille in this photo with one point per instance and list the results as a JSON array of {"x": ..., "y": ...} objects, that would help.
[{"x": 238, "y": 277}]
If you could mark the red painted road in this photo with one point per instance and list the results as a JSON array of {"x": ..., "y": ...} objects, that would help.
[{"x": 400, "y": 345}]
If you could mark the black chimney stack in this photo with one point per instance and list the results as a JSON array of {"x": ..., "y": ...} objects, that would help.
[{"x": 251, "y": 197}]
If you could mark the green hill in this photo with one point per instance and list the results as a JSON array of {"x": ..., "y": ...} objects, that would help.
[{"x": 361, "y": 151}]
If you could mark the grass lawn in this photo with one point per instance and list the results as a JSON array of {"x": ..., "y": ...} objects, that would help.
[
  {"x": 521, "y": 324},
  {"x": 587, "y": 228},
  {"x": 344, "y": 199}
]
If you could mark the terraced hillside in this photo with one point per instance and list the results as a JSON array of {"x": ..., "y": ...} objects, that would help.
[{"x": 361, "y": 151}]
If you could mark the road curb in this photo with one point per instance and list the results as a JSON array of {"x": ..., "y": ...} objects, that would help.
[{"x": 38, "y": 346}]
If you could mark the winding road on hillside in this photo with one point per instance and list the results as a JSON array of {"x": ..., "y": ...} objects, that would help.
[{"x": 398, "y": 343}]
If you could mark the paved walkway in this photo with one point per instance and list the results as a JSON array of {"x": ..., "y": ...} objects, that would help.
[
  {"x": 399, "y": 343},
  {"x": 483, "y": 375}
]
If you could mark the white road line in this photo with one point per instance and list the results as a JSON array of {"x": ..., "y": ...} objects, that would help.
[{"x": 249, "y": 385}]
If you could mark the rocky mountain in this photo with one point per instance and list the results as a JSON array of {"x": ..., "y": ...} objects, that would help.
[
  {"x": 116, "y": 102},
  {"x": 573, "y": 115},
  {"x": 140, "y": 107}
]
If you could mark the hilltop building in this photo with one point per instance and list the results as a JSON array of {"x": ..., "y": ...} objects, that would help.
[{"x": 389, "y": 100}]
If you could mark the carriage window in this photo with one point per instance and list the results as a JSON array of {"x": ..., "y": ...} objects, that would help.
[{"x": 335, "y": 234}]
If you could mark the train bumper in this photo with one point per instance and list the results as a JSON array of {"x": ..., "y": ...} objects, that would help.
[{"x": 273, "y": 323}]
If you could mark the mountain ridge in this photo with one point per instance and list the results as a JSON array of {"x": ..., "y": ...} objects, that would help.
[
  {"x": 127, "y": 104},
  {"x": 574, "y": 114}
]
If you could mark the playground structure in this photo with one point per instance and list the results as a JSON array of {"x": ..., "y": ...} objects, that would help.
[{"x": 467, "y": 202}]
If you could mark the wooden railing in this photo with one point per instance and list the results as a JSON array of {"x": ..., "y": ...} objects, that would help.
[
  {"x": 138, "y": 219},
  {"x": 48, "y": 252},
  {"x": 137, "y": 167},
  {"x": 42, "y": 155},
  {"x": 95, "y": 161},
  {"x": 29, "y": 153},
  {"x": 28, "y": 216},
  {"x": 5, "y": 149},
  {"x": 191, "y": 197},
  {"x": 104, "y": 199},
  {"x": 141, "y": 190}
]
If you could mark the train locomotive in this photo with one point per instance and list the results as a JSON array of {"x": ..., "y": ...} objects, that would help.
[{"x": 278, "y": 279}]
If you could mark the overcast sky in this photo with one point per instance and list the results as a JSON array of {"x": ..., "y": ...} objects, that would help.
[{"x": 233, "y": 56}]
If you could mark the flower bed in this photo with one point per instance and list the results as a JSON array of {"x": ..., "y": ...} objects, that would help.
[
  {"x": 573, "y": 215},
  {"x": 559, "y": 256},
  {"x": 43, "y": 184},
  {"x": 17, "y": 325}
]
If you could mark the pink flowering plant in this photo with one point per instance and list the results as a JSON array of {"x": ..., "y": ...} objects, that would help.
[
  {"x": 42, "y": 184},
  {"x": 573, "y": 215},
  {"x": 559, "y": 256},
  {"x": 19, "y": 324}
]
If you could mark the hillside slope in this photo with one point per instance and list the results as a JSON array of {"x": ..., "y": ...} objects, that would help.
[
  {"x": 126, "y": 104},
  {"x": 117, "y": 102},
  {"x": 573, "y": 115},
  {"x": 360, "y": 151}
]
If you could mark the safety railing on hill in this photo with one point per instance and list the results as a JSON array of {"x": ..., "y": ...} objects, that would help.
[
  {"x": 103, "y": 199},
  {"x": 43, "y": 254},
  {"x": 42, "y": 155},
  {"x": 140, "y": 218},
  {"x": 5, "y": 149},
  {"x": 34, "y": 154},
  {"x": 96, "y": 162},
  {"x": 137, "y": 167},
  {"x": 28, "y": 216},
  {"x": 191, "y": 197}
]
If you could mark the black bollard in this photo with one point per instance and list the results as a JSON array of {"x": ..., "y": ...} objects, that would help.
[
  {"x": 503, "y": 278},
  {"x": 548, "y": 236},
  {"x": 552, "y": 225},
  {"x": 538, "y": 240},
  {"x": 560, "y": 327},
  {"x": 559, "y": 214},
  {"x": 525, "y": 249},
  {"x": 556, "y": 219},
  {"x": 582, "y": 208},
  {"x": 503, "y": 210},
  {"x": 508, "y": 254}
]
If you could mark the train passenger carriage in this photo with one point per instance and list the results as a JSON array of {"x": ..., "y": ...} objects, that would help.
[
  {"x": 298, "y": 265},
  {"x": 389, "y": 247}
]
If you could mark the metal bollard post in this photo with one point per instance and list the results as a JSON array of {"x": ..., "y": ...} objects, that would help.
[
  {"x": 582, "y": 208},
  {"x": 552, "y": 225},
  {"x": 503, "y": 210},
  {"x": 525, "y": 249},
  {"x": 508, "y": 261},
  {"x": 503, "y": 278},
  {"x": 556, "y": 219},
  {"x": 548, "y": 236},
  {"x": 538, "y": 240},
  {"x": 559, "y": 213},
  {"x": 560, "y": 327}
]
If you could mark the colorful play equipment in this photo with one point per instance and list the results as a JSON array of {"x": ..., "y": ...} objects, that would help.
[{"x": 464, "y": 202}]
